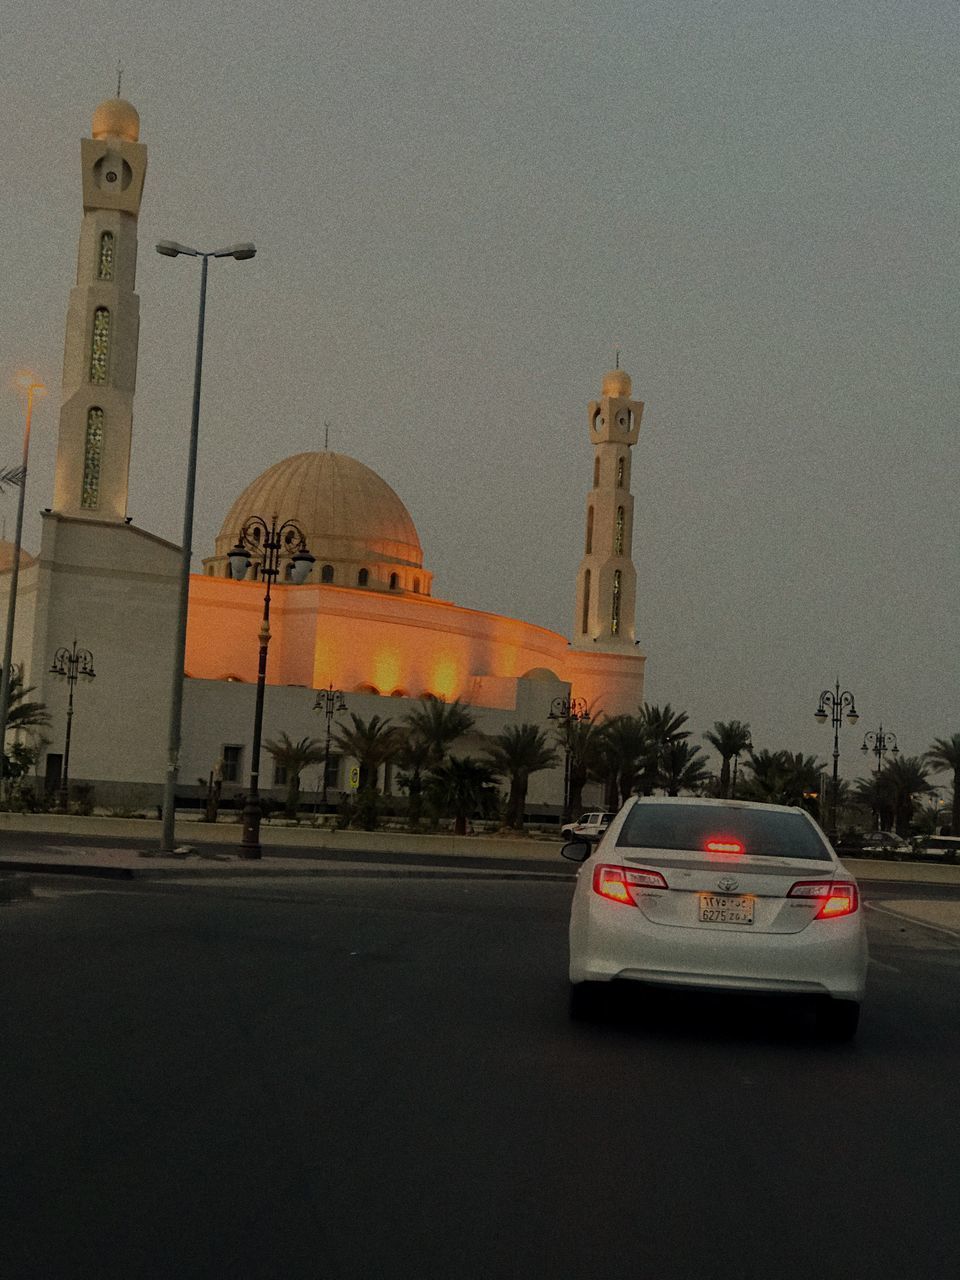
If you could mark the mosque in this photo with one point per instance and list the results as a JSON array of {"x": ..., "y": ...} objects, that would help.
[{"x": 364, "y": 622}]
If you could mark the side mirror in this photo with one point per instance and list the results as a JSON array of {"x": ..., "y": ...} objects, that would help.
[{"x": 576, "y": 850}]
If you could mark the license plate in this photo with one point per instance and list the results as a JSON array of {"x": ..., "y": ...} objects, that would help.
[{"x": 726, "y": 908}]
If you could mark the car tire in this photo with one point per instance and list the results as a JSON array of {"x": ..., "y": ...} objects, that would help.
[
  {"x": 588, "y": 1001},
  {"x": 838, "y": 1020}
]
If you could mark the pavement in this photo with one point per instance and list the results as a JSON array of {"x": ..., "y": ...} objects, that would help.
[{"x": 207, "y": 850}]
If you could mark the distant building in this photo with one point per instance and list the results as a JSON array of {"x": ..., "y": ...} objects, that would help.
[{"x": 365, "y": 622}]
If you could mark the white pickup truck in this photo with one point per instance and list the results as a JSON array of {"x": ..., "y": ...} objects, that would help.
[{"x": 590, "y": 826}]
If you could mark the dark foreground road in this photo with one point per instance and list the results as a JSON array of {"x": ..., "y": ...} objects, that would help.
[{"x": 377, "y": 1078}]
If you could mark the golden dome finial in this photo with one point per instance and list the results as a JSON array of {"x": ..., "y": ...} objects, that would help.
[
  {"x": 617, "y": 383},
  {"x": 116, "y": 118}
]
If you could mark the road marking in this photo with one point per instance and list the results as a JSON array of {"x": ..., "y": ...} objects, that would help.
[{"x": 898, "y": 915}]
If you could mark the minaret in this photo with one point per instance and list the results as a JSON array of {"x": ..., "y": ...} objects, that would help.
[
  {"x": 103, "y": 323},
  {"x": 607, "y": 581}
]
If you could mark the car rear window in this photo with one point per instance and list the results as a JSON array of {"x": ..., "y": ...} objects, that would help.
[{"x": 773, "y": 833}]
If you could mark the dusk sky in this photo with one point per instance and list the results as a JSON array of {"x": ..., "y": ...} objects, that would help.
[{"x": 461, "y": 212}]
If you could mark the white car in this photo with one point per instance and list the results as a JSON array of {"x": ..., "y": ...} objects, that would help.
[{"x": 717, "y": 895}]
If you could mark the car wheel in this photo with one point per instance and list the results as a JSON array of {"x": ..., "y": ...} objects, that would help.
[
  {"x": 588, "y": 1001},
  {"x": 838, "y": 1019}
]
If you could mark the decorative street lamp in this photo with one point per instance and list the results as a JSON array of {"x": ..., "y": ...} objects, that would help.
[
  {"x": 330, "y": 701},
  {"x": 72, "y": 664},
  {"x": 831, "y": 707},
  {"x": 17, "y": 476},
  {"x": 564, "y": 710},
  {"x": 171, "y": 249},
  {"x": 880, "y": 743},
  {"x": 269, "y": 543}
]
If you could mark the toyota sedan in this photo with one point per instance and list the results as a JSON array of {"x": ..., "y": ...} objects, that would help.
[{"x": 717, "y": 895}]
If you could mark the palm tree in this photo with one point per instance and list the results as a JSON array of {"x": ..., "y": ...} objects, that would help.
[
  {"x": 682, "y": 768},
  {"x": 580, "y": 742},
  {"x": 663, "y": 727},
  {"x": 21, "y": 714},
  {"x": 944, "y": 757},
  {"x": 429, "y": 731},
  {"x": 293, "y": 758},
  {"x": 517, "y": 753},
  {"x": 371, "y": 743},
  {"x": 626, "y": 760},
  {"x": 782, "y": 777},
  {"x": 461, "y": 785},
  {"x": 728, "y": 738},
  {"x": 907, "y": 778}
]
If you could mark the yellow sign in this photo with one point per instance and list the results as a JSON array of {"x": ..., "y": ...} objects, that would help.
[{"x": 354, "y": 777}]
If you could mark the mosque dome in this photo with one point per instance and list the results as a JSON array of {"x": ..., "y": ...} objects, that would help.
[
  {"x": 355, "y": 525},
  {"x": 116, "y": 118},
  {"x": 6, "y": 556},
  {"x": 617, "y": 383}
]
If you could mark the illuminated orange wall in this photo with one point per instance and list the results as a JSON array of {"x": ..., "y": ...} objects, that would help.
[{"x": 403, "y": 644}]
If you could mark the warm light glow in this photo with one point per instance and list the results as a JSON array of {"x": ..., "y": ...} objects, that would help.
[
  {"x": 724, "y": 846},
  {"x": 386, "y": 669},
  {"x": 444, "y": 680},
  {"x": 24, "y": 380}
]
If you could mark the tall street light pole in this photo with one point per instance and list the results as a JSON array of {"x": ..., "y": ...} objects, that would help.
[
  {"x": 269, "y": 543},
  {"x": 70, "y": 663},
  {"x": 831, "y": 707},
  {"x": 880, "y": 743},
  {"x": 33, "y": 388},
  {"x": 565, "y": 710},
  {"x": 171, "y": 249},
  {"x": 330, "y": 701}
]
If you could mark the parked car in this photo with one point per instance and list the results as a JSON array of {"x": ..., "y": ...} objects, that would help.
[
  {"x": 590, "y": 826},
  {"x": 717, "y": 895},
  {"x": 885, "y": 842}
]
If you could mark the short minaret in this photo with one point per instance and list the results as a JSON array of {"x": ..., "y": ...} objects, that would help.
[
  {"x": 607, "y": 581},
  {"x": 103, "y": 323}
]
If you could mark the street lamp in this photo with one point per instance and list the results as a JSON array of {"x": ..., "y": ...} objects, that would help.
[
  {"x": 564, "y": 710},
  {"x": 171, "y": 249},
  {"x": 268, "y": 543},
  {"x": 72, "y": 664},
  {"x": 880, "y": 743},
  {"x": 33, "y": 388},
  {"x": 831, "y": 707},
  {"x": 330, "y": 701}
]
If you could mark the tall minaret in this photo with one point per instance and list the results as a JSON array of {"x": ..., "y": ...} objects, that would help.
[
  {"x": 103, "y": 323},
  {"x": 607, "y": 581}
]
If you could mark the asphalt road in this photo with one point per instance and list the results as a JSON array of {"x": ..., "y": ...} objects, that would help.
[{"x": 377, "y": 1078}]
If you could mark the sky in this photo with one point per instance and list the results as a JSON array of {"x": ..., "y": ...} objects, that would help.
[{"x": 461, "y": 213}]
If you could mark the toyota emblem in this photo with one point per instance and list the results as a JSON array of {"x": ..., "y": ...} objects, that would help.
[{"x": 727, "y": 884}]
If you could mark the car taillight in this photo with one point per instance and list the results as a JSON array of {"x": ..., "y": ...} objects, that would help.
[
  {"x": 837, "y": 897},
  {"x": 724, "y": 845},
  {"x": 616, "y": 883}
]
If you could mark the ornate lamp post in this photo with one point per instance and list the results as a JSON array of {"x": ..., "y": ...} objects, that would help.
[
  {"x": 564, "y": 710},
  {"x": 171, "y": 249},
  {"x": 70, "y": 663},
  {"x": 269, "y": 543},
  {"x": 880, "y": 743},
  {"x": 831, "y": 707},
  {"x": 17, "y": 476},
  {"x": 330, "y": 701}
]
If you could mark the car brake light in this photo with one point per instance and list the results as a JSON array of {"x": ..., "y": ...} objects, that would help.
[
  {"x": 724, "y": 846},
  {"x": 617, "y": 883},
  {"x": 837, "y": 897}
]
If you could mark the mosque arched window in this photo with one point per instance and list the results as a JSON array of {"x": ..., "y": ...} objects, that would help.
[
  {"x": 363, "y": 577},
  {"x": 586, "y": 602},
  {"x": 596, "y": 472},
  {"x": 394, "y": 582},
  {"x": 618, "y": 535},
  {"x": 92, "y": 458},
  {"x": 589, "y": 542},
  {"x": 620, "y": 472},
  {"x": 105, "y": 262},
  {"x": 100, "y": 346},
  {"x": 615, "y": 607},
  {"x": 326, "y": 573}
]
